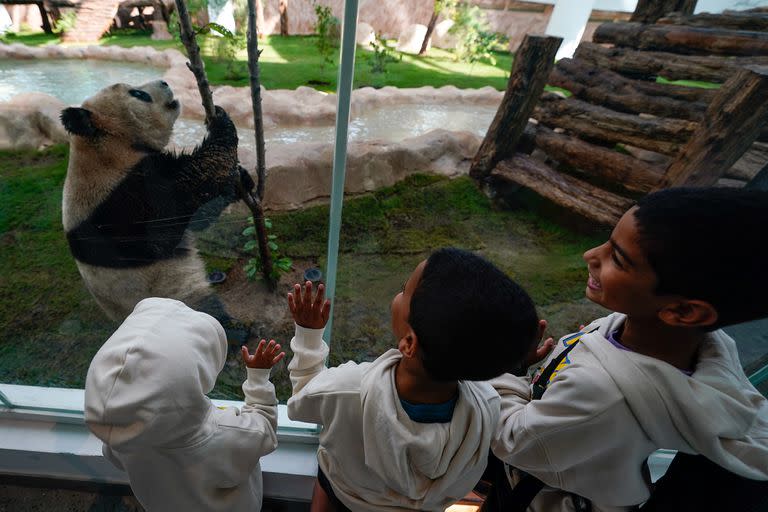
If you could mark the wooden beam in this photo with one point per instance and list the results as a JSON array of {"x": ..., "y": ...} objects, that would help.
[
  {"x": 533, "y": 62},
  {"x": 604, "y": 163},
  {"x": 682, "y": 39},
  {"x": 731, "y": 21},
  {"x": 647, "y": 65},
  {"x": 733, "y": 121},
  {"x": 595, "y": 123},
  {"x": 609, "y": 89},
  {"x": 648, "y": 11},
  {"x": 577, "y": 195}
]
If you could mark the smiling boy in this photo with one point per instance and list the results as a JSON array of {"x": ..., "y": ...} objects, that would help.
[{"x": 659, "y": 373}]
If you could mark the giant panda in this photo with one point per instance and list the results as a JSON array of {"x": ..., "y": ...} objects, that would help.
[{"x": 128, "y": 204}]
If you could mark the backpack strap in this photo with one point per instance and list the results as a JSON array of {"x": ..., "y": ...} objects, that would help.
[
  {"x": 518, "y": 499},
  {"x": 541, "y": 381}
]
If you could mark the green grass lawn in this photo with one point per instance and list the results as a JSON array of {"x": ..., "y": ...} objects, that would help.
[
  {"x": 52, "y": 327},
  {"x": 293, "y": 61}
]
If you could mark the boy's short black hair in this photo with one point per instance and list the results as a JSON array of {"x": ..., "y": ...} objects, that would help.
[
  {"x": 709, "y": 244},
  {"x": 471, "y": 320}
]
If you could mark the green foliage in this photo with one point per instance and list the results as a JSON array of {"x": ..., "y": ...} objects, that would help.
[
  {"x": 226, "y": 47},
  {"x": 327, "y": 30},
  {"x": 193, "y": 6},
  {"x": 65, "y": 23},
  {"x": 381, "y": 56},
  {"x": 281, "y": 264},
  {"x": 475, "y": 40}
]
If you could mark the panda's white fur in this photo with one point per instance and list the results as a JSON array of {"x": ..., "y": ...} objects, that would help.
[
  {"x": 118, "y": 290},
  {"x": 118, "y": 135}
]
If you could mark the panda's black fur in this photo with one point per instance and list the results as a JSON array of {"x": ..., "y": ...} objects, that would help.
[{"x": 129, "y": 205}]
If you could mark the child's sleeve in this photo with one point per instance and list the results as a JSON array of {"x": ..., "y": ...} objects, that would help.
[
  {"x": 257, "y": 418},
  {"x": 574, "y": 425},
  {"x": 309, "y": 355}
]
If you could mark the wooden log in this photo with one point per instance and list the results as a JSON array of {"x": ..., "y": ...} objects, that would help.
[
  {"x": 594, "y": 76},
  {"x": 646, "y": 65},
  {"x": 533, "y": 63},
  {"x": 648, "y": 11},
  {"x": 611, "y": 90},
  {"x": 583, "y": 198},
  {"x": 731, "y": 21},
  {"x": 683, "y": 39},
  {"x": 595, "y": 123},
  {"x": 606, "y": 164},
  {"x": 733, "y": 121}
]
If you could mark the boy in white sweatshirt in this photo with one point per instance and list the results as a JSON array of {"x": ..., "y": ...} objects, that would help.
[
  {"x": 659, "y": 373},
  {"x": 145, "y": 399},
  {"x": 411, "y": 430}
]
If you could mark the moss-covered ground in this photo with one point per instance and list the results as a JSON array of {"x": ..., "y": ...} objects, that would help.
[{"x": 52, "y": 327}]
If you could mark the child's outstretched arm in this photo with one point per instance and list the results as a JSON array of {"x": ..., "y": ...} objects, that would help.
[
  {"x": 253, "y": 427},
  {"x": 310, "y": 351},
  {"x": 259, "y": 392}
]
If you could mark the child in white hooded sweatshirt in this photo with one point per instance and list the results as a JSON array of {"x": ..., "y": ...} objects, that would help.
[
  {"x": 412, "y": 429},
  {"x": 145, "y": 399},
  {"x": 659, "y": 373}
]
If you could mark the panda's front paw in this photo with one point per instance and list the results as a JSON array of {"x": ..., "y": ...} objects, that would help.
[
  {"x": 245, "y": 179},
  {"x": 222, "y": 128}
]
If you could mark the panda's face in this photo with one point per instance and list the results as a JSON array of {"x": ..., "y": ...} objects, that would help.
[{"x": 142, "y": 116}]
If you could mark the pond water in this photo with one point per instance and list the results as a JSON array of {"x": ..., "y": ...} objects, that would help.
[
  {"x": 70, "y": 80},
  {"x": 390, "y": 124}
]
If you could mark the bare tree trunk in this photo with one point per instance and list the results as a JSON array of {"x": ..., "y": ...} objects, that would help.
[
  {"x": 733, "y": 121},
  {"x": 565, "y": 190},
  {"x": 648, "y": 11},
  {"x": 683, "y": 39},
  {"x": 430, "y": 29},
  {"x": 646, "y": 65},
  {"x": 595, "y": 123},
  {"x": 195, "y": 63},
  {"x": 258, "y": 123},
  {"x": 534, "y": 61},
  {"x": 732, "y": 21},
  {"x": 282, "y": 6}
]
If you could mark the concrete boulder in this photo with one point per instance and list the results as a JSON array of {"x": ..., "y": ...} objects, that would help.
[
  {"x": 300, "y": 174},
  {"x": 411, "y": 38},
  {"x": 441, "y": 38},
  {"x": 365, "y": 34},
  {"x": 31, "y": 121}
]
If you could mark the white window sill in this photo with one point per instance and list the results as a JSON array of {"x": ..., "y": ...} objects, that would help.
[{"x": 44, "y": 435}]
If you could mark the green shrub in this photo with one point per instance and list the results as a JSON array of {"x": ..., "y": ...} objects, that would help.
[{"x": 475, "y": 40}]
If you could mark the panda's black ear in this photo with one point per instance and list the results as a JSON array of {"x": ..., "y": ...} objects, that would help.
[{"x": 77, "y": 121}]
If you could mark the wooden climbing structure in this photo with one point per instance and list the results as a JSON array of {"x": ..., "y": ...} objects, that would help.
[{"x": 622, "y": 132}]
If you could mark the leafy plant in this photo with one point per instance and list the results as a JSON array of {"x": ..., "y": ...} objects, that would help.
[
  {"x": 327, "y": 30},
  {"x": 281, "y": 263},
  {"x": 381, "y": 56},
  {"x": 65, "y": 23},
  {"x": 475, "y": 40},
  {"x": 226, "y": 48},
  {"x": 193, "y": 6}
]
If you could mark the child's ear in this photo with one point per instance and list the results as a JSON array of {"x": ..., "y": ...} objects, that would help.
[
  {"x": 689, "y": 313},
  {"x": 78, "y": 121},
  {"x": 408, "y": 344}
]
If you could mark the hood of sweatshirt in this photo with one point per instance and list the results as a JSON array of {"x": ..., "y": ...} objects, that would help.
[
  {"x": 146, "y": 386},
  {"x": 425, "y": 461},
  {"x": 715, "y": 412}
]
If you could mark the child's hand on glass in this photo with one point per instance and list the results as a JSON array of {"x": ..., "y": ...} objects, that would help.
[
  {"x": 541, "y": 351},
  {"x": 307, "y": 311},
  {"x": 266, "y": 355}
]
